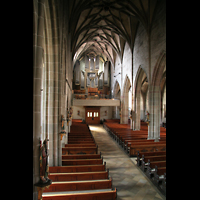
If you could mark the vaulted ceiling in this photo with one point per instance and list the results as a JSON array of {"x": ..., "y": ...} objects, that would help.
[{"x": 102, "y": 27}]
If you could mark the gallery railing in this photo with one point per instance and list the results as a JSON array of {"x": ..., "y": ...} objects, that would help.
[{"x": 92, "y": 96}]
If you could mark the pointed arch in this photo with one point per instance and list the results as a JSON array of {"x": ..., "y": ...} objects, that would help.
[
  {"x": 125, "y": 100},
  {"x": 141, "y": 78},
  {"x": 158, "y": 69},
  {"x": 117, "y": 90},
  {"x": 116, "y": 95},
  {"x": 158, "y": 74}
]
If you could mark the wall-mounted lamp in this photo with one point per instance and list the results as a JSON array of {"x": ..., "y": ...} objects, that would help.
[{"x": 117, "y": 74}]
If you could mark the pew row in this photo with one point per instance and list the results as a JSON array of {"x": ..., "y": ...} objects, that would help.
[
  {"x": 157, "y": 172},
  {"x": 147, "y": 148},
  {"x": 81, "y": 145},
  {"x": 82, "y": 162},
  {"x": 154, "y": 166},
  {"x": 79, "y": 185},
  {"x": 105, "y": 195},
  {"x": 79, "y": 176},
  {"x": 146, "y": 159},
  {"x": 81, "y": 156},
  {"x": 124, "y": 136},
  {"x": 142, "y": 154},
  {"x": 141, "y": 142},
  {"x": 82, "y": 170},
  {"x": 79, "y": 150},
  {"x": 79, "y": 168}
]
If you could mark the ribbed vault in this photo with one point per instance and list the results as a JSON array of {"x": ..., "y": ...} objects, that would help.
[{"x": 103, "y": 27}]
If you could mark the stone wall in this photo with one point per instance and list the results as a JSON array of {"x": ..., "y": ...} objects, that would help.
[
  {"x": 147, "y": 51},
  {"x": 52, "y": 78}
]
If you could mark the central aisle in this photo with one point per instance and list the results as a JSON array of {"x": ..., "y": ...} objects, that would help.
[{"x": 127, "y": 178}]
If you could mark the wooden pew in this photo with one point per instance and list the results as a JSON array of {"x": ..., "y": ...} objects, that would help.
[
  {"x": 80, "y": 136},
  {"x": 141, "y": 142},
  {"x": 79, "y": 185},
  {"x": 146, "y": 159},
  {"x": 79, "y": 150},
  {"x": 152, "y": 164},
  {"x": 121, "y": 132},
  {"x": 105, "y": 195},
  {"x": 79, "y": 141},
  {"x": 136, "y": 139},
  {"x": 82, "y": 162},
  {"x": 84, "y": 172},
  {"x": 151, "y": 167},
  {"x": 112, "y": 120},
  {"x": 159, "y": 171},
  {"x": 80, "y": 168},
  {"x": 159, "y": 178},
  {"x": 81, "y": 145},
  {"x": 146, "y": 148},
  {"x": 163, "y": 185},
  {"x": 77, "y": 176},
  {"x": 84, "y": 156},
  {"x": 140, "y": 154},
  {"x": 80, "y": 132}
]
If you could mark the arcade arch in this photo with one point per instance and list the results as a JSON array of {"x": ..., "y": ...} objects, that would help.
[
  {"x": 140, "y": 97},
  {"x": 116, "y": 95},
  {"x": 126, "y": 106},
  {"x": 158, "y": 94}
]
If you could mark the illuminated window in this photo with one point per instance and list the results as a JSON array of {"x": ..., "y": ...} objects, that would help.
[
  {"x": 90, "y": 114},
  {"x": 96, "y": 114}
]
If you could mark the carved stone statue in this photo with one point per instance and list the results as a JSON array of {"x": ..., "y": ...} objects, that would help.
[
  {"x": 131, "y": 113},
  {"x": 44, "y": 181},
  {"x": 147, "y": 119},
  {"x": 44, "y": 167},
  {"x": 63, "y": 122}
]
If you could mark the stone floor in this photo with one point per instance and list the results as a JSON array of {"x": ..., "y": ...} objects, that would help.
[{"x": 127, "y": 178}]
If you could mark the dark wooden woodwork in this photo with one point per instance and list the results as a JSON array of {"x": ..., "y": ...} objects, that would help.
[
  {"x": 77, "y": 176},
  {"x": 106, "y": 195}
]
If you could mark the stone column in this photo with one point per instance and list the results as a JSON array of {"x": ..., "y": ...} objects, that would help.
[
  {"x": 157, "y": 109},
  {"x": 154, "y": 110},
  {"x": 151, "y": 108},
  {"x": 55, "y": 114},
  {"x": 137, "y": 117},
  {"x": 151, "y": 116},
  {"x": 50, "y": 110},
  {"x": 122, "y": 98},
  {"x": 38, "y": 50},
  {"x": 121, "y": 111}
]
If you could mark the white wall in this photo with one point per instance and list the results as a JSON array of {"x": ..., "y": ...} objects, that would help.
[
  {"x": 75, "y": 112},
  {"x": 102, "y": 112}
]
